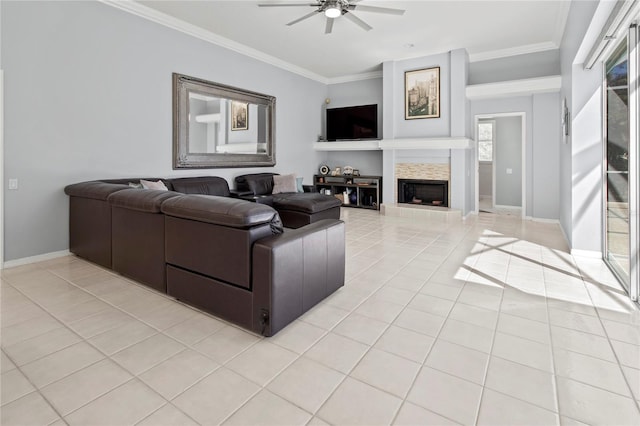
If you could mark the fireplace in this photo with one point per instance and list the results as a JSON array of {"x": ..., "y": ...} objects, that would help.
[{"x": 426, "y": 192}]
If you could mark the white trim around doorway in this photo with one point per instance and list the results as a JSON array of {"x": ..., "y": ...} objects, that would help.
[{"x": 477, "y": 119}]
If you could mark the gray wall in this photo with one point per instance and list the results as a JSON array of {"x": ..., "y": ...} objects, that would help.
[
  {"x": 542, "y": 138},
  {"x": 395, "y": 125},
  {"x": 368, "y": 162},
  {"x": 531, "y": 65},
  {"x": 547, "y": 140},
  {"x": 88, "y": 95},
  {"x": 508, "y": 155},
  {"x": 453, "y": 120},
  {"x": 361, "y": 92},
  {"x": 485, "y": 185},
  {"x": 573, "y": 220}
]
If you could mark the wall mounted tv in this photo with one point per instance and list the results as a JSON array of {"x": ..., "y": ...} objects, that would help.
[{"x": 352, "y": 123}]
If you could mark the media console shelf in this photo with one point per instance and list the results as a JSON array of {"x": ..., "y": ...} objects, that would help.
[{"x": 363, "y": 191}]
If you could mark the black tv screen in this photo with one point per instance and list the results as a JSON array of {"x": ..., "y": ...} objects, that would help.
[{"x": 355, "y": 122}]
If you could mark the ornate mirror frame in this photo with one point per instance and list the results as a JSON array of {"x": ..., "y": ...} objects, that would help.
[{"x": 183, "y": 158}]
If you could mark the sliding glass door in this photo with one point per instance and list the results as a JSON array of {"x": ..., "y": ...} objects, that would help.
[
  {"x": 617, "y": 162},
  {"x": 621, "y": 163}
]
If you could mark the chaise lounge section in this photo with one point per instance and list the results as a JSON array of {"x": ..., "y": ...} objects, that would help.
[{"x": 295, "y": 208}]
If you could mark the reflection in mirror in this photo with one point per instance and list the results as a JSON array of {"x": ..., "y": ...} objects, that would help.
[{"x": 221, "y": 126}]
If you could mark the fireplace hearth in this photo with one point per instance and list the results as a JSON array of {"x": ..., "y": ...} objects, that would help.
[{"x": 423, "y": 191}]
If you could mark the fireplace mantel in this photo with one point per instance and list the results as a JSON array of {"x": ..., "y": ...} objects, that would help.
[
  {"x": 426, "y": 143},
  {"x": 400, "y": 143}
]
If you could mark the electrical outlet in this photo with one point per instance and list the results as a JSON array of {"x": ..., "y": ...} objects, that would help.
[
  {"x": 509, "y": 171},
  {"x": 13, "y": 183}
]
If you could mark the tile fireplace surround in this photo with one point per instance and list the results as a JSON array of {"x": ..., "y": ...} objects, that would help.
[{"x": 421, "y": 171}]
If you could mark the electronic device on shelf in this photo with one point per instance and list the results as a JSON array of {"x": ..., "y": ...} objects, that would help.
[{"x": 352, "y": 123}]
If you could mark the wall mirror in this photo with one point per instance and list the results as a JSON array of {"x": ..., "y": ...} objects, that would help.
[{"x": 221, "y": 126}]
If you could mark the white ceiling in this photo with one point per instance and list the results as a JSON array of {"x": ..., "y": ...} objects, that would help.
[{"x": 487, "y": 29}]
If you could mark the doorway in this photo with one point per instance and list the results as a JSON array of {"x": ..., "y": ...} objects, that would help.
[{"x": 500, "y": 163}]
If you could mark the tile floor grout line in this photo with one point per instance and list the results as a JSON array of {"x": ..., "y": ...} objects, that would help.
[
  {"x": 456, "y": 246},
  {"x": 554, "y": 376},
  {"x": 134, "y": 376},
  {"x": 348, "y": 374},
  {"x": 36, "y": 390},
  {"x": 493, "y": 340},
  {"x": 435, "y": 339},
  {"x": 160, "y": 408},
  {"x": 615, "y": 355}
]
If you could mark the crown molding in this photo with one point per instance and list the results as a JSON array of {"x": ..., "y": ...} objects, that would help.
[
  {"x": 355, "y": 77},
  {"x": 169, "y": 21},
  {"x": 513, "y": 51}
]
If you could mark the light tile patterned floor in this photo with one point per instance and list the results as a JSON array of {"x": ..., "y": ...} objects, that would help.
[{"x": 487, "y": 321}]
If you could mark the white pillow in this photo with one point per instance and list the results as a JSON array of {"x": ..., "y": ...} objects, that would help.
[
  {"x": 147, "y": 184},
  {"x": 284, "y": 183}
]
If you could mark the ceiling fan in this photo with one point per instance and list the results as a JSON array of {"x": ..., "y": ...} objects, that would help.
[{"x": 333, "y": 9}]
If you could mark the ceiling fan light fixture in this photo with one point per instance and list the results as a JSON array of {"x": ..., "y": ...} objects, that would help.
[{"x": 333, "y": 12}]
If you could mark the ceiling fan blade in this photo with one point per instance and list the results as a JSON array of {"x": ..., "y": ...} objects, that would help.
[
  {"x": 376, "y": 9},
  {"x": 359, "y": 22},
  {"x": 308, "y": 15},
  {"x": 287, "y": 4},
  {"x": 329, "y": 27}
]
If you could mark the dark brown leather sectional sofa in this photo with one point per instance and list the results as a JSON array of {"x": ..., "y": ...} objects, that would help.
[{"x": 194, "y": 242}]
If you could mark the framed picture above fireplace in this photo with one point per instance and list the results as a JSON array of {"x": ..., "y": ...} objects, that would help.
[{"x": 422, "y": 93}]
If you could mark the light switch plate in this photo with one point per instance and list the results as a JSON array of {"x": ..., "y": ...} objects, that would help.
[
  {"x": 13, "y": 183},
  {"x": 509, "y": 171}
]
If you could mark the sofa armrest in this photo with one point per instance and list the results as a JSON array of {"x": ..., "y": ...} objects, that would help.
[{"x": 294, "y": 271}]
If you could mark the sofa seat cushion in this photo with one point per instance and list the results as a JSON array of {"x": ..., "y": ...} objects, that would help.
[
  {"x": 143, "y": 200},
  {"x": 220, "y": 210},
  {"x": 204, "y": 185},
  {"x": 94, "y": 190},
  {"x": 305, "y": 202}
]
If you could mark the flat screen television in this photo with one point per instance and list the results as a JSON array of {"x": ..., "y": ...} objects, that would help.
[{"x": 352, "y": 123}]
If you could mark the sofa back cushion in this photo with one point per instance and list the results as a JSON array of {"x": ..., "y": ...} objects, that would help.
[
  {"x": 205, "y": 185},
  {"x": 147, "y": 201},
  {"x": 213, "y": 235},
  {"x": 242, "y": 181},
  {"x": 225, "y": 211},
  {"x": 136, "y": 180},
  {"x": 95, "y": 190}
]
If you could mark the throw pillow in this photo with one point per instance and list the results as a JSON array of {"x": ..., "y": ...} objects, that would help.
[
  {"x": 135, "y": 185},
  {"x": 299, "y": 184},
  {"x": 284, "y": 184},
  {"x": 148, "y": 184},
  {"x": 260, "y": 185}
]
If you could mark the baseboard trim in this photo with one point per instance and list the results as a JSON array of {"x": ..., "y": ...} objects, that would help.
[
  {"x": 471, "y": 213},
  {"x": 542, "y": 220},
  {"x": 564, "y": 234},
  {"x": 591, "y": 254},
  {"x": 502, "y": 206},
  {"x": 34, "y": 259}
]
